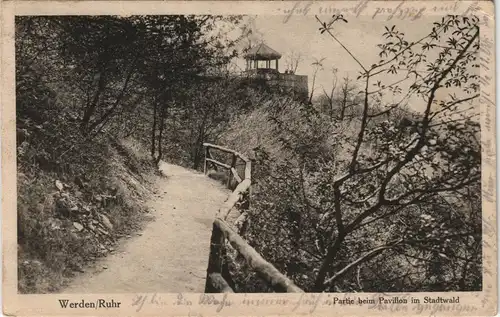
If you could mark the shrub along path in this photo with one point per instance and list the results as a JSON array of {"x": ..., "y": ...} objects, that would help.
[{"x": 171, "y": 254}]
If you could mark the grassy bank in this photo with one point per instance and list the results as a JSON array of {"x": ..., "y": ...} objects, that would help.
[{"x": 67, "y": 219}]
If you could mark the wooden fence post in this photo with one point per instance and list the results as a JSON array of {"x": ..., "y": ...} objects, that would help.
[
  {"x": 218, "y": 274},
  {"x": 248, "y": 169},
  {"x": 215, "y": 257},
  {"x": 207, "y": 155},
  {"x": 230, "y": 176}
]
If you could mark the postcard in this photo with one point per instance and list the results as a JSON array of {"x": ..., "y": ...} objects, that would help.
[{"x": 248, "y": 158}]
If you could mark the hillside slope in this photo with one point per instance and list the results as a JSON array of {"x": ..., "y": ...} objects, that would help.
[{"x": 67, "y": 220}]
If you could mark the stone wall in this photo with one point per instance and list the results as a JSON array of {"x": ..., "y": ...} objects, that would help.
[{"x": 297, "y": 83}]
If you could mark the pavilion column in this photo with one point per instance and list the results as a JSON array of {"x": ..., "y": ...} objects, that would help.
[{"x": 277, "y": 65}]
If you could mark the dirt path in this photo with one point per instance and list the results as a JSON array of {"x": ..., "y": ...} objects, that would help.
[{"x": 171, "y": 255}]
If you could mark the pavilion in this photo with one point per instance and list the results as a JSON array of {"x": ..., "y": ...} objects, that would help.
[
  {"x": 262, "y": 57},
  {"x": 262, "y": 64}
]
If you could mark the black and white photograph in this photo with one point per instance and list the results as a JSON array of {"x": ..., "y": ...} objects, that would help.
[{"x": 314, "y": 151}]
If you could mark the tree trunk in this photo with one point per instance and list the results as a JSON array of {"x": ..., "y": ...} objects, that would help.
[
  {"x": 197, "y": 158},
  {"x": 343, "y": 106},
  {"x": 160, "y": 136},
  {"x": 327, "y": 263},
  {"x": 153, "y": 131},
  {"x": 103, "y": 61},
  {"x": 105, "y": 118},
  {"x": 90, "y": 109},
  {"x": 198, "y": 150},
  {"x": 198, "y": 146},
  {"x": 312, "y": 88}
]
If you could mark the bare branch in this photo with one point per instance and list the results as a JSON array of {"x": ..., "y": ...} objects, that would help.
[
  {"x": 362, "y": 129},
  {"x": 345, "y": 48},
  {"x": 363, "y": 258}
]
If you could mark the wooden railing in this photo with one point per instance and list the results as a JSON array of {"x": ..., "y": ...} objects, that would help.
[
  {"x": 244, "y": 183},
  {"x": 218, "y": 275}
]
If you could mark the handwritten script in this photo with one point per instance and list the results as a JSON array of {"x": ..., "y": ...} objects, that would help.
[
  {"x": 403, "y": 10},
  {"x": 308, "y": 303}
]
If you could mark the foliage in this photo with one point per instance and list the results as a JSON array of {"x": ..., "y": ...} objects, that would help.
[
  {"x": 88, "y": 91},
  {"x": 362, "y": 194},
  {"x": 388, "y": 200}
]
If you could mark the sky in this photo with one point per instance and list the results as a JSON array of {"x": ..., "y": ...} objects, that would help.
[{"x": 301, "y": 35}]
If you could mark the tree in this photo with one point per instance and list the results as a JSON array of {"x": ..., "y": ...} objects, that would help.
[
  {"x": 389, "y": 200},
  {"x": 212, "y": 104},
  {"x": 83, "y": 84},
  {"x": 103, "y": 53},
  {"x": 318, "y": 66},
  {"x": 182, "y": 50},
  {"x": 293, "y": 60},
  {"x": 346, "y": 98},
  {"x": 119, "y": 62},
  {"x": 328, "y": 96},
  {"x": 395, "y": 176}
]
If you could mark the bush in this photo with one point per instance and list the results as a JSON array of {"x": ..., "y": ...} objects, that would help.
[
  {"x": 60, "y": 229},
  {"x": 298, "y": 154}
]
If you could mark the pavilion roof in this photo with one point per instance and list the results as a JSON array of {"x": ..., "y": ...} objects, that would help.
[{"x": 262, "y": 52}]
